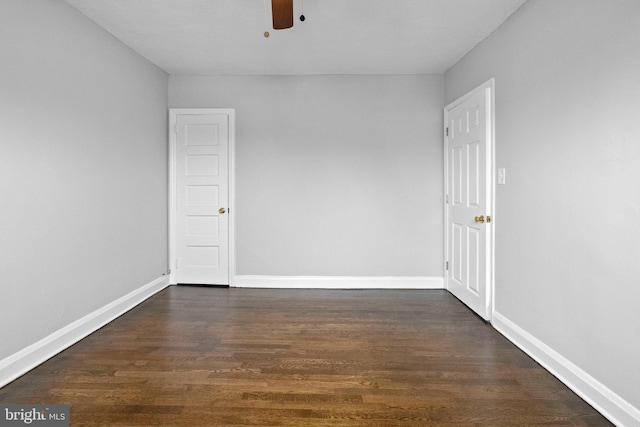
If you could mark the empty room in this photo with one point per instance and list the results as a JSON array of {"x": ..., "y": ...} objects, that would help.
[{"x": 320, "y": 213}]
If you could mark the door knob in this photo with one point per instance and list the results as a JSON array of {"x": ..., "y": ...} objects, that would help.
[
  {"x": 221, "y": 210},
  {"x": 479, "y": 218}
]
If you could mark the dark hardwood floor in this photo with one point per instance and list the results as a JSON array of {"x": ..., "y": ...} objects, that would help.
[{"x": 196, "y": 356}]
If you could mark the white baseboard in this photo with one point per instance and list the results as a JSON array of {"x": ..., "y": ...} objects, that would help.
[
  {"x": 615, "y": 408},
  {"x": 337, "y": 282},
  {"x": 28, "y": 358}
]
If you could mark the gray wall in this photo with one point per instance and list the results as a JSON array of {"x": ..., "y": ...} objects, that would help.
[
  {"x": 567, "y": 235},
  {"x": 82, "y": 170},
  {"x": 336, "y": 175}
]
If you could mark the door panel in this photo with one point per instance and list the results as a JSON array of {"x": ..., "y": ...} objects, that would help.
[
  {"x": 202, "y": 190},
  {"x": 469, "y": 197}
]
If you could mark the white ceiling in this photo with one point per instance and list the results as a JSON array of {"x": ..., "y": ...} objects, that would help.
[{"x": 338, "y": 36}]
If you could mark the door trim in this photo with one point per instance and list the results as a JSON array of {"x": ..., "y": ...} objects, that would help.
[
  {"x": 489, "y": 86},
  {"x": 173, "y": 114}
]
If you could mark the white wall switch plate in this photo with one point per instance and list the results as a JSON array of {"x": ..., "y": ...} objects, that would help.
[{"x": 502, "y": 176}]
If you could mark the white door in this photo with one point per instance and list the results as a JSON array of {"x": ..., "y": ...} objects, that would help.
[
  {"x": 469, "y": 190},
  {"x": 201, "y": 201}
]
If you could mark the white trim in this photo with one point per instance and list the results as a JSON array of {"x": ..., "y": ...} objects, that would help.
[
  {"x": 171, "y": 196},
  {"x": 28, "y": 358},
  {"x": 173, "y": 113},
  {"x": 615, "y": 408},
  {"x": 232, "y": 195},
  {"x": 488, "y": 86},
  {"x": 338, "y": 282}
]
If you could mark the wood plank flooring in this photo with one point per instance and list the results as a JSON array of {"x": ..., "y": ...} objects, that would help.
[{"x": 196, "y": 356}]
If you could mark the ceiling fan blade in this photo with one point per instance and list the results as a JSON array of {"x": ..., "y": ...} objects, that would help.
[{"x": 282, "y": 11}]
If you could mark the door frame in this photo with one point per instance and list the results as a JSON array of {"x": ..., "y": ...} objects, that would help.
[
  {"x": 489, "y": 87},
  {"x": 173, "y": 114}
]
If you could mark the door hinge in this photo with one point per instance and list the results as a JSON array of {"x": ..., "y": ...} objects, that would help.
[
  {"x": 447, "y": 131},
  {"x": 447, "y": 268},
  {"x": 447, "y": 198}
]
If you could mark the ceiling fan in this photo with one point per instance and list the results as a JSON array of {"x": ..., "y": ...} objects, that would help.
[{"x": 282, "y": 14}]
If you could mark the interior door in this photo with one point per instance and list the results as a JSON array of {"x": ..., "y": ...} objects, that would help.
[
  {"x": 468, "y": 143},
  {"x": 202, "y": 198}
]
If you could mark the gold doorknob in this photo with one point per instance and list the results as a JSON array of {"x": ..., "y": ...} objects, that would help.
[
  {"x": 221, "y": 210},
  {"x": 479, "y": 218}
]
